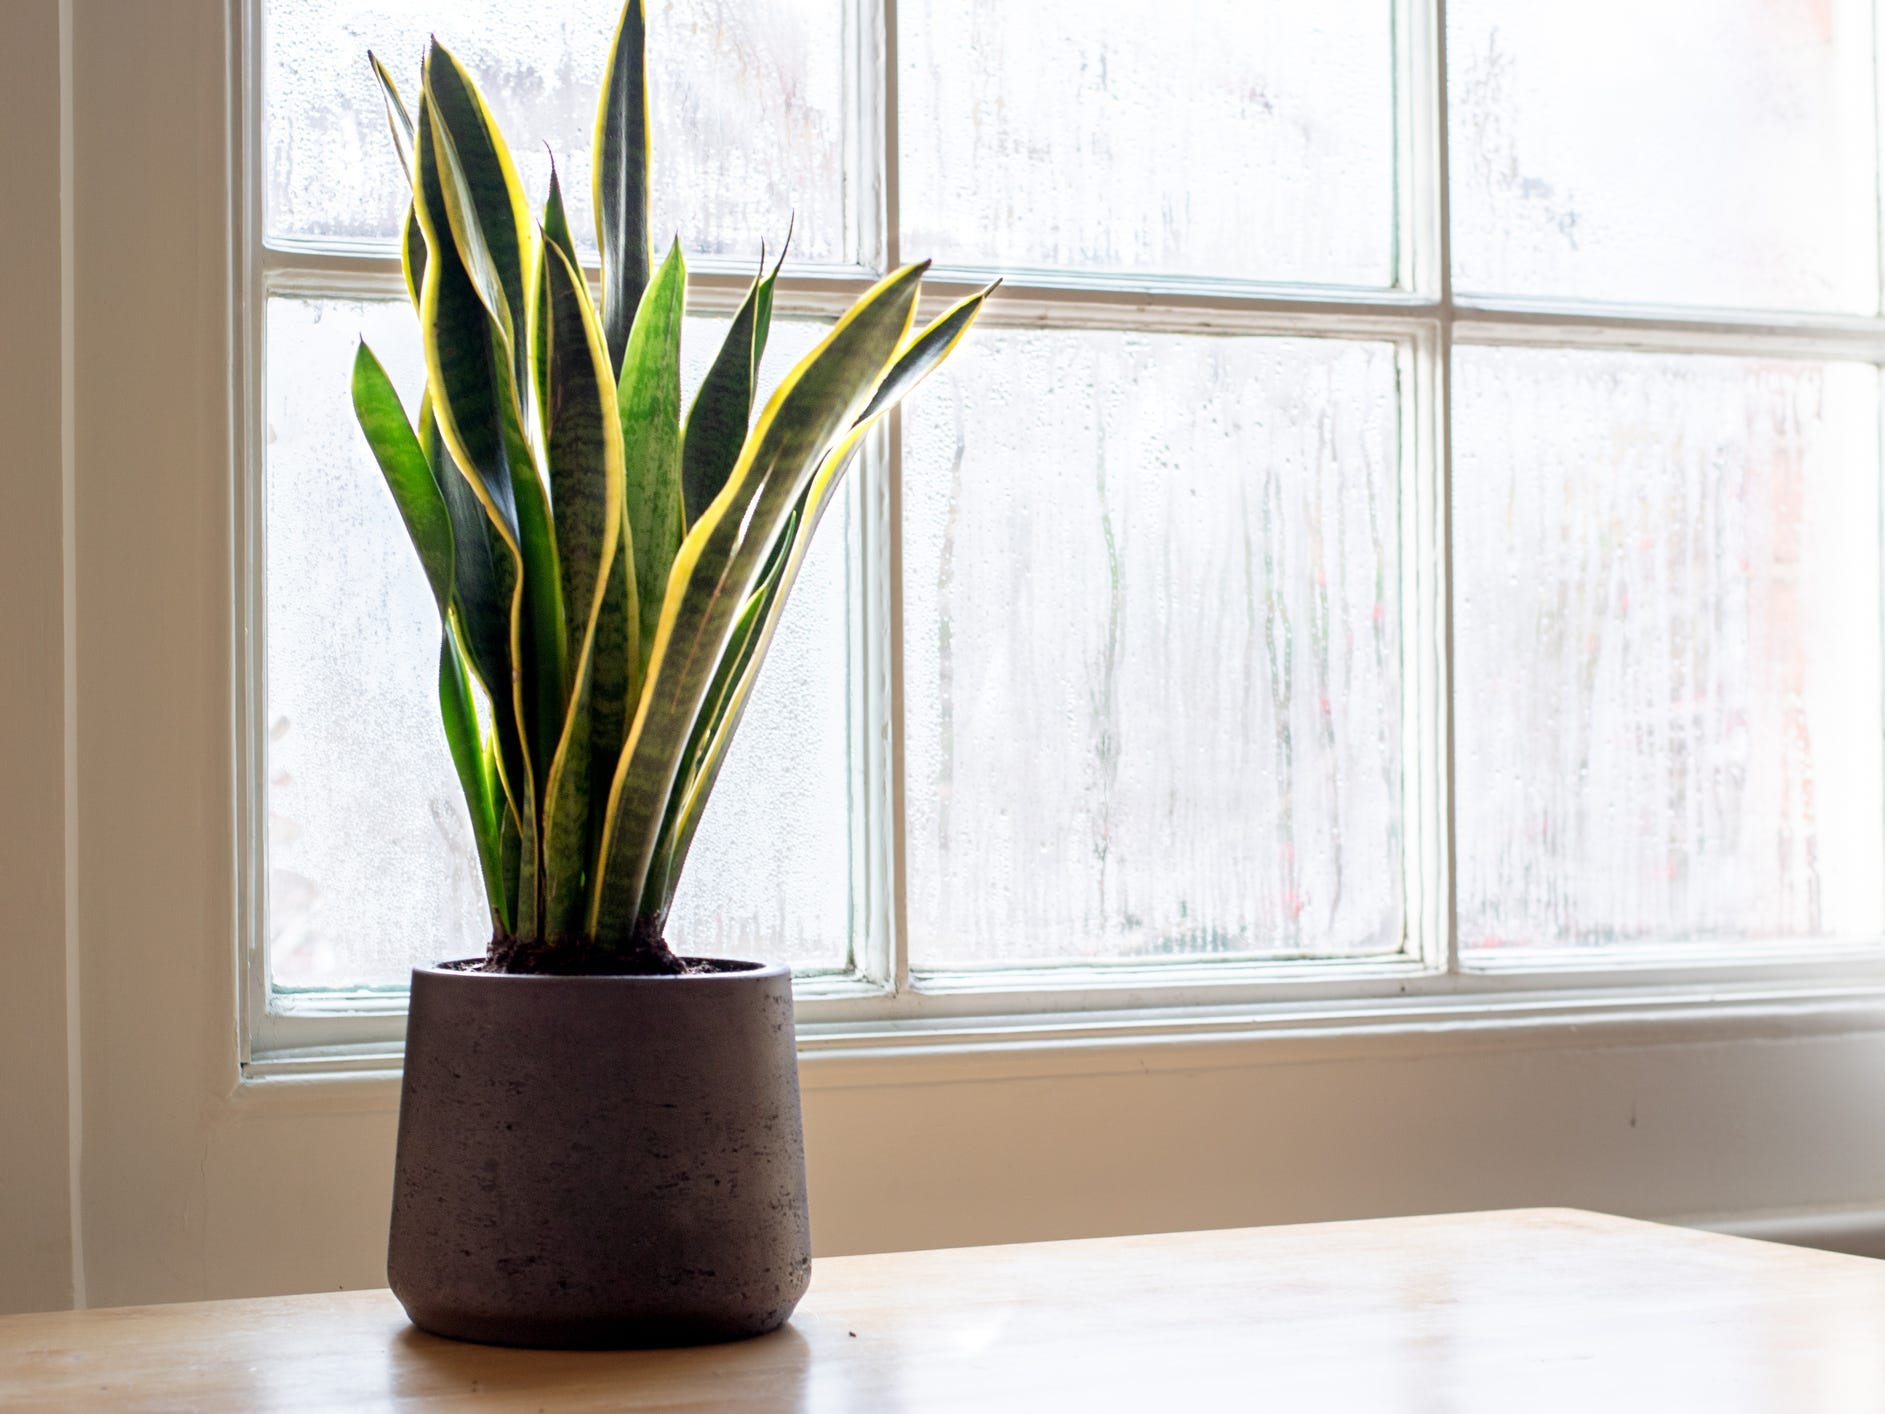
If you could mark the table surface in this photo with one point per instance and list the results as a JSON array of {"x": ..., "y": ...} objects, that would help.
[{"x": 1533, "y": 1310}]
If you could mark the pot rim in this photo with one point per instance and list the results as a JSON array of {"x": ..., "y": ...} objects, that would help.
[{"x": 729, "y": 969}]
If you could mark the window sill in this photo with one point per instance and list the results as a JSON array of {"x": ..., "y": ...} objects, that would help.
[{"x": 941, "y": 1049}]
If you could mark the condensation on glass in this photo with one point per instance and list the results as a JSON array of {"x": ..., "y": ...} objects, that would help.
[
  {"x": 371, "y": 865},
  {"x": 748, "y": 100},
  {"x": 1667, "y": 649},
  {"x": 1152, "y": 657},
  {"x": 1223, "y": 138},
  {"x": 1700, "y": 152}
]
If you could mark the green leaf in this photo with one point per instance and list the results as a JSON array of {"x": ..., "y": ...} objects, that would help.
[
  {"x": 582, "y": 440},
  {"x": 614, "y": 665},
  {"x": 469, "y": 380},
  {"x": 460, "y": 720},
  {"x": 700, "y": 762},
  {"x": 484, "y": 199},
  {"x": 479, "y": 199},
  {"x": 483, "y": 592},
  {"x": 649, "y": 403},
  {"x": 511, "y": 860},
  {"x": 921, "y": 355},
  {"x": 556, "y": 221},
  {"x": 584, "y": 448},
  {"x": 545, "y": 660},
  {"x": 716, "y": 425},
  {"x": 714, "y": 573},
  {"x": 714, "y": 732},
  {"x": 621, "y": 178},
  {"x": 460, "y": 364},
  {"x": 555, "y": 233},
  {"x": 481, "y": 587},
  {"x": 408, "y": 475},
  {"x": 412, "y": 256},
  {"x": 417, "y": 491},
  {"x": 399, "y": 122},
  {"x": 398, "y": 119},
  {"x": 762, "y": 310}
]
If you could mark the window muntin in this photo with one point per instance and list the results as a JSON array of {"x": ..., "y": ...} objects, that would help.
[{"x": 907, "y": 925}]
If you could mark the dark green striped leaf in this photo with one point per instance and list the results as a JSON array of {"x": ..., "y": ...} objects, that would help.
[
  {"x": 926, "y": 351},
  {"x": 399, "y": 122},
  {"x": 484, "y": 249},
  {"x": 714, "y": 732},
  {"x": 615, "y": 669},
  {"x": 716, "y": 425},
  {"x": 469, "y": 756},
  {"x": 621, "y": 178},
  {"x": 715, "y": 572},
  {"x": 481, "y": 576},
  {"x": 484, "y": 198},
  {"x": 545, "y": 658},
  {"x": 412, "y": 256},
  {"x": 470, "y": 384},
  {"x": 584, "y": 448},
  {"x": 454, "y": 326},
  {"x": 512, "y": 859},
  {"x": 583, "y": 442},
  {"x": 649, "y": 403},
  {"x": 700, "y": 764},
  {"x": 555, "y": 233},
  {"x": 556, "y": 220},
  {"x": 481, "y": 621},
  {"x": 762, "y": 306},
  {"x": 398, "y": 119}
]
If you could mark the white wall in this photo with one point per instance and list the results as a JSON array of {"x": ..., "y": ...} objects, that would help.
[
  {"x": 35, "y": 1218},
  {"x": 195, "y": 1184}
]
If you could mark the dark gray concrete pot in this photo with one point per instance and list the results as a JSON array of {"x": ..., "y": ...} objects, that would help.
[{"x": 600, "y": 1161}]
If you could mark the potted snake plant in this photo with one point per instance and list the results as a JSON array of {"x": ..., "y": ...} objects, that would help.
[{"x": 599, "y": 1140}]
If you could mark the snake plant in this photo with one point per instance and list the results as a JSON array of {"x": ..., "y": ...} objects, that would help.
[{"x": 609, "y": 567}]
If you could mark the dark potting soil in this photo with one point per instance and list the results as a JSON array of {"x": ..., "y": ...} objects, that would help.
[{"x": 538, "y": 957}]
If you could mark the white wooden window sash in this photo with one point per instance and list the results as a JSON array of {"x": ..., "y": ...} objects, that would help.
[{"x": 880, "y": 994}]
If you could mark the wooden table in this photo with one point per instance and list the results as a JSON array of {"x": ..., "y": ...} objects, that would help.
[{"x": 1512, "y": 1312}]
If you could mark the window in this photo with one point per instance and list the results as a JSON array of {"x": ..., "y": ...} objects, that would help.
[{"x": 1410, "y": 522}]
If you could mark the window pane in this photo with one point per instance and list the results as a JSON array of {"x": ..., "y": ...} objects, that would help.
[
  {"x": 371, "y": 865},
  {"x": 1667, "y": 657},
  {"x": 747, "y": 99},
  {"x": 370, "y": 857},
  {"x": 1215, "y": 138},
  {"x": 1672, "y": 151},
  {"x": 1152, "y": 654}
]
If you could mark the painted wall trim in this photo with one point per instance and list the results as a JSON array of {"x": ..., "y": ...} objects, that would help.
[{"x": 1859, "y": 1231}]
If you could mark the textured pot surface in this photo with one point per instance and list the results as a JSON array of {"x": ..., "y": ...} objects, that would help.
[{"x": 600, "y": 1161}]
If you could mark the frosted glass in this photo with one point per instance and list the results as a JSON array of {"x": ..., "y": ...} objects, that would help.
[
  {"x": 1667, "y": 657},
  {"x": 747, "y": 98},
  {"x": 371, "y": 865},
  {"x": 1152, "y": 654},
  {"x": 1675, "y": 151},
  {"x": 1214, "y": 137}
]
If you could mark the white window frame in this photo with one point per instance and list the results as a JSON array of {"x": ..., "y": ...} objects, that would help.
[{"x": 882, "y": 1001}]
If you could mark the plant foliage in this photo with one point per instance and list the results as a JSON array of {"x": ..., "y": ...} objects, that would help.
[{"x": 609, "y": 567}]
